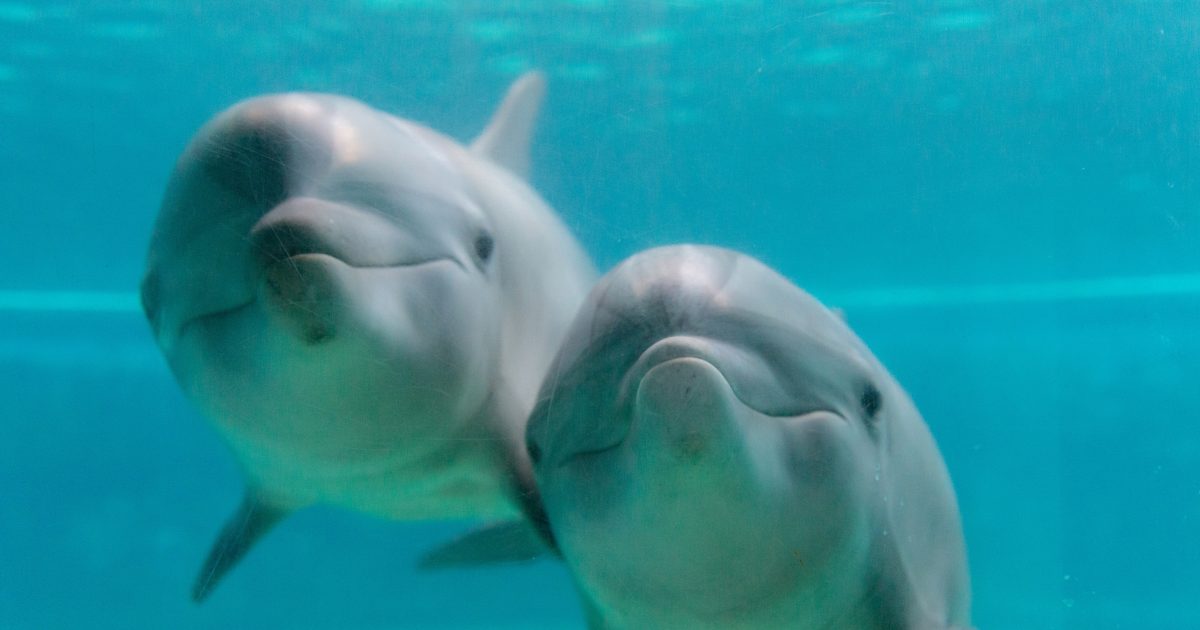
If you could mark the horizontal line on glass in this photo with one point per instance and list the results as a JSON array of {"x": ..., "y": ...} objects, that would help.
[{"x": 882, "y": 298}]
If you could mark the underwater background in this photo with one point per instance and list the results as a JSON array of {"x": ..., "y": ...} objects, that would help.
[{"x": 1003, "y": 196}]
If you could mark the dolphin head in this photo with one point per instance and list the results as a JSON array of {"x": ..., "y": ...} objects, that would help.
[
  {"x": 364, "y": 308},
  {"x": 321, "y": 282},
  {"x": 710, "y": 442}
]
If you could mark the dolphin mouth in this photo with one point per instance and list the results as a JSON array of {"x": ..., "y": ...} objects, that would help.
[
  {"x": 722, "y": 357},
  {"x": 578, "y": 456},
  {"x": 726, "y": 359},
  {"x": 287, "y": 253},
  {"x": 188, "y": 323},
  {"x": 282, "y": 240}
]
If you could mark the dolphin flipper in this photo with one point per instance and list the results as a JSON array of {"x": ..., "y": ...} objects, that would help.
[
  {"x": 504, "y": 542},
  {"x": 251, "y": 521},
  {"x": 506, "y": 139}
]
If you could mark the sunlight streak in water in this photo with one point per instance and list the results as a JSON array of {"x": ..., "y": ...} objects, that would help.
[
  {"x": 70, "y": 302},
  {"x": 1132, "y": 287}
]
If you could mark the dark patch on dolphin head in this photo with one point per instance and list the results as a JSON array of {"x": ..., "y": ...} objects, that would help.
[
  {"x": 255, "y": 149},
  {"x": 250, "y": 160}
]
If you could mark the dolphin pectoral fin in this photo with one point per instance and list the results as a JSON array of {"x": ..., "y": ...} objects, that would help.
[
  {"x": 251, "y": 521},
  {"x": 506, "y": 139},
  {"x": 504, "y": 542}
]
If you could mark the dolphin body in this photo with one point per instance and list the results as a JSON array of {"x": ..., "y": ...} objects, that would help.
[
  {"x": 715, "y": 448},
  {"x": 363, "y": 307}
]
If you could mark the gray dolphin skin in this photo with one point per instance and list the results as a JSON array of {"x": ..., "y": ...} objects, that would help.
[
  {"x": 362, "y": 307},
  {"x": 715, "y": 448}
]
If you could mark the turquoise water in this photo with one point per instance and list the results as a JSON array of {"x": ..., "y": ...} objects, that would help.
[{"x": 1003, "y": 196}]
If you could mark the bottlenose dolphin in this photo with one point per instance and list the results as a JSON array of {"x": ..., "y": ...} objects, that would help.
[
  {"x": 363, "y": 307},
  {"x": 715, "y": 448}
]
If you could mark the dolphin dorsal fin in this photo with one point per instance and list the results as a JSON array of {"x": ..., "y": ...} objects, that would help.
[{"x": 506, "y": 139}]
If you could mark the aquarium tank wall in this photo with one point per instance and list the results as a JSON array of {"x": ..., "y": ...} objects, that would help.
[{"x": 1001, "y": 197}]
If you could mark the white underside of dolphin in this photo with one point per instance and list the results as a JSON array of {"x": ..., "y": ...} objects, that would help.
[
  {"x": 716, "y": 449},
  {"x": 363, "y": 308}
]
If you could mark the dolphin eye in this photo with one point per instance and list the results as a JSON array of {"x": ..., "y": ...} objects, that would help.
[
  {"x": 871, "y": 400},
  {"x": 484, "y": 244}
]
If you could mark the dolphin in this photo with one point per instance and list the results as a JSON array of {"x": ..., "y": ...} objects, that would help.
[
  {"x": 715, "y": 448},
  {"x": 362, "y": 307}
]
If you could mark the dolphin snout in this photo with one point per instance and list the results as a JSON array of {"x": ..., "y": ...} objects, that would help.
[
  {"x": 685, "y": 409},
  {"x": 673, "y": 373},
  {"x": 307, "y": 225},
  {"x": 667, "y": 350},
  {"x": 299, "y": 226}
]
